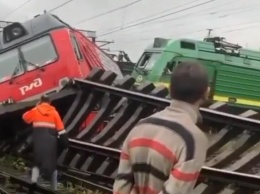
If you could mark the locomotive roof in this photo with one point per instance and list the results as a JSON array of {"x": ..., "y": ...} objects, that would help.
[{"x": 38, "y": 25}]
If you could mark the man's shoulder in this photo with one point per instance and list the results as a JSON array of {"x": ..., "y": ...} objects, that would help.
[
  {"x": 189, "y": 126},
  {"x": 53, "y": 110}
]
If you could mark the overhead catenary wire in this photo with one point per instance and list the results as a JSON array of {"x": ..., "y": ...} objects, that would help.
[
  {"x": 239, "y": 12},
  {"x": 61, "y": 5},
  {"x": 219, "y": 13},
  {"x": 153, "y": 19},
  {"x": 16, "y": 9},
  {"x": 243, "y": 28},
  {"x": 151, "y": 16},
  {"x": 156, "y": 18},
  {"x": 213, "y": 12},
  {"x": 222, "y": 27},
  {"x": 201, "y": 30},
  {"x": 190, "y": 14},
  {"x": 108, "y": 12},
  {"x": 225, "y": 26},
  {"x": 194, "y": 15}
]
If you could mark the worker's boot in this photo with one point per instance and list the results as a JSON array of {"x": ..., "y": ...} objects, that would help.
[
  {"x": 34, "y": 179},
  {"x": 32, "y": 188},
  {"x": 54, "y": 180},
  {"x": 35, "y": 174}
]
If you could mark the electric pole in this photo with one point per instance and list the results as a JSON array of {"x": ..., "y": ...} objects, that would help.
[{"x": 209, "y": 32}]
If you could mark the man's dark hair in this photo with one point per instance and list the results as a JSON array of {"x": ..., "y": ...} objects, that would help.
[
  {"x": 189, "y": 81},
  {"x": 45, "y": 98}
]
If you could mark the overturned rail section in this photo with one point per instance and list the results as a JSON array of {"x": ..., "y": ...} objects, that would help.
[
  {"x": 234, "y": 140},
  {"x": 99, "y": 164},
  {"x": 97, "y": 113}
]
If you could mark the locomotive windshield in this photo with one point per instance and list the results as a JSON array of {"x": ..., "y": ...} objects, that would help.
[
  {"x": 26, "y": 58},
  {"x": 10, "y": 62},
  {"x": 39, "y": 52},
  {"x": 147, "y": 61}
]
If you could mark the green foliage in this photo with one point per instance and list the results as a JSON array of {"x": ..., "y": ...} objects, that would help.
[
  {"x": 19, "y": 164},
  {"x": 15, "y": 163}
]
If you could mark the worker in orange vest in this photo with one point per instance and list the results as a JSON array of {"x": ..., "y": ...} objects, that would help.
[{"x": 48, "y": 132}]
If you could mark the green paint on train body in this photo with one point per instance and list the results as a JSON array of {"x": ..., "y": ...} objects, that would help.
[{"x": 234, "y": 71}]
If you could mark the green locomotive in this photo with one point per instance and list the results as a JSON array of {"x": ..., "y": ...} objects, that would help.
[{"x": 234, "y": 71}]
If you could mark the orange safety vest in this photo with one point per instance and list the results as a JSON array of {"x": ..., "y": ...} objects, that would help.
[{"x": 44, "y": 115}]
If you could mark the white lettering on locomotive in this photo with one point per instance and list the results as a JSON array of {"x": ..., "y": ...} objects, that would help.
[{"x": 35, "y": 84}]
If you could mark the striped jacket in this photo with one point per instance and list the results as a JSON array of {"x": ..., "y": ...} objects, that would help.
[{"x": 163, "y": 154}]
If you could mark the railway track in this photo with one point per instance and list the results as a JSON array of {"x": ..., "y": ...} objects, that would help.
[
  {"x": 90, "y": 162},
  {"x": 17, "y": 180},
  {"x": 234, "y": 140},
  {"x": 86, "y": 159},
  {"x": 18, "y": 183},
  {"x": 94, "y": 163}
]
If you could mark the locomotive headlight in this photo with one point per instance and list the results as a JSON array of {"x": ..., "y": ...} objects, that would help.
[
  {"x": 139, "y": 78},
  {"x": 16, "y": 31},
  {"x": 13, "y": 31}
]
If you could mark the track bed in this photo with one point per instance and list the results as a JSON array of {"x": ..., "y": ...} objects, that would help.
[{"x": 16, "y": 179}]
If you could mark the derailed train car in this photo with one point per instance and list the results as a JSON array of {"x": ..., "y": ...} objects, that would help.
[
  {"x": 41, "y": 55},
  {"x": 234, "y": 71}
]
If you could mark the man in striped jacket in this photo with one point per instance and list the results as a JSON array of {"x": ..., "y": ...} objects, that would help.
[{"x": 163, "y": 154}]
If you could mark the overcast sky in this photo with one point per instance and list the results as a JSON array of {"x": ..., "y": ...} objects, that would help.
[{"x": 237, "y": 20}]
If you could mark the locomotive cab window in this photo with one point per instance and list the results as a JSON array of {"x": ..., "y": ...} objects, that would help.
[
  {"x": 38, "y": 53},
  {"x": 76, "y": 48},
  {"x": 187, "y": 45},
  {"x": 148, "y": 60},
  {"x": 170, "y": 65},
  {"x": 10, "y": 65}
]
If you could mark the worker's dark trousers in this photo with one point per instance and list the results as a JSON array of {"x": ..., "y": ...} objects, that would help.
[
  {"x": 45, "y": 154},
  {"x": 36, "y": 174}
]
